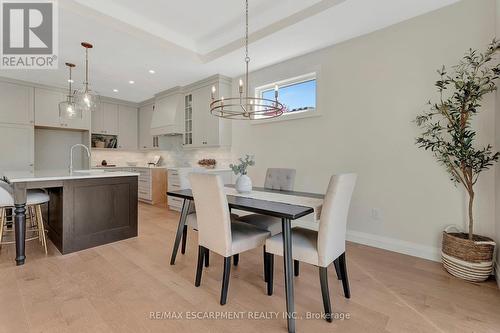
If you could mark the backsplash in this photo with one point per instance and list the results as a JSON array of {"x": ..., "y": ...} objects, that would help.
[{"x": 170, "y": 158}]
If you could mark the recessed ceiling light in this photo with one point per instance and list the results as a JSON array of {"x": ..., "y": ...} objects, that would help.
[
  {"x": 115, "y": 90},
  {"x": 151, "y": 71},
  {"x": 131, "y": 81},
  {"x": 71, "y": 81}
]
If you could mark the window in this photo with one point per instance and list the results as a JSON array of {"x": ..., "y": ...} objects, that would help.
[{"x": 298, "y": 95}]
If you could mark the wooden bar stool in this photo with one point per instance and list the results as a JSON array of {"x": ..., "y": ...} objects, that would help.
[{"x": 34, "y": 201}]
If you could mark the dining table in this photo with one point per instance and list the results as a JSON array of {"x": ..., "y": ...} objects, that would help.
[{"x": 286, "y": 205}]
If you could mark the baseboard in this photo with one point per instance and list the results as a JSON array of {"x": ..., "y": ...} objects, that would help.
[
  {"x": 395, "y": 245},
  {"x": 497, "y": 274}
]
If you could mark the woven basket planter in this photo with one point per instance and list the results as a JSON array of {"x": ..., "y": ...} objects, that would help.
[{"x": 471, "y": 260}]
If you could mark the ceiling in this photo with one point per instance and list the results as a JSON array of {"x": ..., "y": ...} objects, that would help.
[{"x": 184, "y": 41}]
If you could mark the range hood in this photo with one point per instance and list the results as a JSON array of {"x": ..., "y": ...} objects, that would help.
[{"x": 168, "y": 115}]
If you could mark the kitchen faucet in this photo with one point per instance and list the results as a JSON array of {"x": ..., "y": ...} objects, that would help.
[{"x": 71, "y": 155}]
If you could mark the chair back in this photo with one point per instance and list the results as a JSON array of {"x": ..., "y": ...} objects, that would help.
[
  {"x": 212, "y": 213},
  {"x": 280, "y": 179},
  {"x": 6, "y": 196},
  {"x": 333, "y": 220}
]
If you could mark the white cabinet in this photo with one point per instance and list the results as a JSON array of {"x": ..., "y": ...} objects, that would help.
[
  {"x": 47, "y": 111},
  {"x": 146, "y": 140},
  {"x": 205, "y": 125},
  {"x": 201, "y": 128},
  {"x": 178, "y": 179},
  {"x": 127, "y": 127},
  {"x": 105, "y": 119},
  {"x": 16, "y": 104},
  {"x": 17, "y": 147}
]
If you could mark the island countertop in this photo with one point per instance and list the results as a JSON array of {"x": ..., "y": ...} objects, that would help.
[{"x": 53, "y": 175}]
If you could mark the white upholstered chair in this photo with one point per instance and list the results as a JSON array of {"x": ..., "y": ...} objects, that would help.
[
  {"x": 216, "y": 231},
  {"x": 325, "y": 246},
  {"x": 34, "y": 200},
  {"x": 280, "y": 179}
]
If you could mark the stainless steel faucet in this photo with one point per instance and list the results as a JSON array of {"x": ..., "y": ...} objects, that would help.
[{"x": 71, "y": 155}]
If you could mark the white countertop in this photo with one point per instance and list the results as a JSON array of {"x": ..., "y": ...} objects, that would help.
[
  {"x": 50, "y": 175},
  {"x": 200, "y": 168},
  {"x": 128, "y": 167}
]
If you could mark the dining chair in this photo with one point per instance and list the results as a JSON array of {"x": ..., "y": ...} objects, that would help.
[
  {"x": 280, "y": 179},
  {"x": 217, "y": 229},
  {"x": 325, "y": 246},
  {"x": 34, "y": 200}
]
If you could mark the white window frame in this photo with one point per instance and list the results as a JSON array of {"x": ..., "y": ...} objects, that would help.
[{"x": 284, "y": 83}]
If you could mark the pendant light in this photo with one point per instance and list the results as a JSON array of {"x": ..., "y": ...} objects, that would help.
[
  {"x": 86, "y": 99},
  {"x": 68, "y": 108},
  {"x": 245, "y": 107}
]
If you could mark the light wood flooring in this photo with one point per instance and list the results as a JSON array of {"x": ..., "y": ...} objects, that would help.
[{"x": 113, "y": 288}]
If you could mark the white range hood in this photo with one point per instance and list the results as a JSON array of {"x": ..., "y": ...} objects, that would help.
[{"x": 168, "y": 115}]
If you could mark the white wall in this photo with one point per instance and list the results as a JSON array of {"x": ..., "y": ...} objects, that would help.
[
  {"x": 497, "y": 145},
  {"x": 369, "y": 91}
]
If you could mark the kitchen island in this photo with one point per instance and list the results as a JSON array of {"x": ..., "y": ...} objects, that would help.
[{"x": 87, "y": 208}]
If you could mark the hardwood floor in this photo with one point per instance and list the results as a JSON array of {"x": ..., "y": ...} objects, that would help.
[{"x": 115, "y": 287}]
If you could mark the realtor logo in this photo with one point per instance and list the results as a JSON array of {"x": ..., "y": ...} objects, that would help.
[{"x": 29, "y": 34}]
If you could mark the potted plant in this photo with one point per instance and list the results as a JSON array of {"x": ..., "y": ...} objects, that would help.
[
  {"x": 448, "y": 134},
  {"x": 243, "y": 183}
]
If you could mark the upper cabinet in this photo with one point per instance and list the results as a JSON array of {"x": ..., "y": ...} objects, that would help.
[
  {"x": 201, "y": 128},
  {"x": 146, "y": 139},
  {"x": 16, "y": 104},
  {"x": 105, "y": 119},
  {"x": 127, "y": 127},
  {"x": 47, "y": 111}
]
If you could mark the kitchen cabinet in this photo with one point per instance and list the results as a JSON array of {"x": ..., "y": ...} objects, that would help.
[
  {"x": 105, "y": 119},
  {"x": 47, "y": 111},
  {"x": 16, "y": 104},
  {"x": 201, "y": 128},
  {"x": 127, "y": 127},
  {"x": 178, "y": 179},
  {"x": 146, "y": 140},
  {"x": 17, "y": 147}
]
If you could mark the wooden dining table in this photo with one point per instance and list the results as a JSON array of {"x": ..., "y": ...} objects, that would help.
[{"x": 285, "y": 211}]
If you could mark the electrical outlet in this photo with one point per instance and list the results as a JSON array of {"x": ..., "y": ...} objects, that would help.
[{"x": 376, "y": 214}]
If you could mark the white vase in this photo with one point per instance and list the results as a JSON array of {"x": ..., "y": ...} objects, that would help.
[{"x": 243, "y": 184}]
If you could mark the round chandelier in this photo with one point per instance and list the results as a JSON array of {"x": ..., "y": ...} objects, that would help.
[{"x": 245, "y": 107}]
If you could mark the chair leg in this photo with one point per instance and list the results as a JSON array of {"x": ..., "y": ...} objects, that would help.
[
  {"x": 266, "y": 258},
  {"x": 2, "y": 221},
  {"x": 199, "y": 266},
  {"x": 184, "y": 239},
  {"x": 337, "y": 268},
  {"x": 41, "y": 226},
  {"x": 236, "y": 258},
  {"x": 323, "y": 278},
  {"x": 270, "y": 273},
  {"x": 207, "y": 257},
  {"x": 225, "y": 280},
  {"x": 296, "y": 265},
  {"x": 343, "y": 272}
]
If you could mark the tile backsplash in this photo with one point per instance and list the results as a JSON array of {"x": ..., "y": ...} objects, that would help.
[{"x": 172, "y": 156}]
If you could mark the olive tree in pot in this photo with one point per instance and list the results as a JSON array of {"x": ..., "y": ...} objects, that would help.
[{"x": 448, "y": 134}]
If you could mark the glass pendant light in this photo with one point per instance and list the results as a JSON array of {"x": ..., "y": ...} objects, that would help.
[
  {"x": 86, "y": 99},
  {"x": 68, "y": 108}
]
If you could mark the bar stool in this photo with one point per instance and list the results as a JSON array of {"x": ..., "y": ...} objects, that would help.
[{"x": 34, "y": 201}]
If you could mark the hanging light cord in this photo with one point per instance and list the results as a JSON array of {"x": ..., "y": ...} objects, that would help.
[
  {"x": 86, "y": 69},
  {"x": 70, "y": 80},
  {"x": 247, "y": 58}
]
